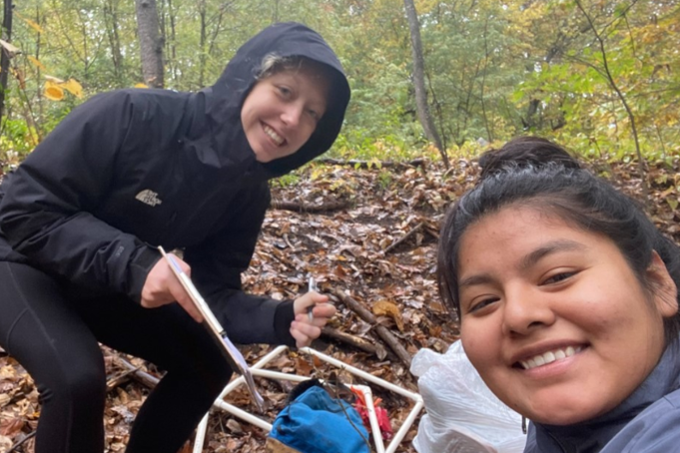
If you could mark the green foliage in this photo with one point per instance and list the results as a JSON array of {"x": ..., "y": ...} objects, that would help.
[
  {"x": 287, "y": 180},
  {"x": 494, "y": 70},
  {"x": 355, "y": 144},
  {"x": 16, "y": 142}
]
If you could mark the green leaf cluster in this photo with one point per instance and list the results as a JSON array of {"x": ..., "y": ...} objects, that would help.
[{"x": 494, "y": 70}]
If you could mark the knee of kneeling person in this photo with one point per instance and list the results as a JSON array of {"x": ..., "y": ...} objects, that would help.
[{"x": 84, "y": 385}]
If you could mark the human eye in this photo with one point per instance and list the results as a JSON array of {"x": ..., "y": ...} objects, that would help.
[
  {"x": 479, "y": 304},
  {"x": 558, "y": 277},
  {"x": 314, "y": 114},
  {"x": 284, "y": 91}
]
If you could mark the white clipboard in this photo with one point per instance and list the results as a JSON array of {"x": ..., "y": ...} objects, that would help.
[{"x": 231, "y": 353}]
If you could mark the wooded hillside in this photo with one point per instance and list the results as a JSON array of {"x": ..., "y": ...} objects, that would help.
[{"x": 602, "y": 76}]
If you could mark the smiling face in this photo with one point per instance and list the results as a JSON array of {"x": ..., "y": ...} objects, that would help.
[
  {"x": 553, "y": 318},
  {"x": 282, "y": 110}
]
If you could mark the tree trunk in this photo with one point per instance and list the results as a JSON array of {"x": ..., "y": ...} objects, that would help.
[
  {"x": 111, "y": 21},
  {"x": 172, "y": 48},
  {"x": 422, "y": 107},
  {"x": 150, "y": 42},
  {"x": 201, "y": 43},
  {"x": 6, "y": 35}
]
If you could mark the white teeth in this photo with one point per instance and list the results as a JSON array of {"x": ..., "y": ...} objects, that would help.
[
  {"x": 549, "y": 357},
  {"x": 273, "y": 135}
]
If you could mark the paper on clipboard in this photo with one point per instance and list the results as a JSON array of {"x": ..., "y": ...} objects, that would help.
[{"x": 231, "y": 353}]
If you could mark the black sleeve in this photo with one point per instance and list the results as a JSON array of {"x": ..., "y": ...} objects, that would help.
[
  {"x": 45, "y": 212},
  {"x": 216, "y": 267}
]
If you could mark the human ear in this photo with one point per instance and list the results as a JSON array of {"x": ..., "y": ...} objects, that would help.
[{"x": 664, "y": 289}]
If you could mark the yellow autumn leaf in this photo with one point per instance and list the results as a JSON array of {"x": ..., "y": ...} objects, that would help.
[
  {"x": 34, "y": 25},
  {"x": 386, "y": 308},
  {"x": 141, "y": 85},
  {"x": 53, "y": 91},
  {"x": 73, "y": 87},
  {"x": 36, "y": 62},
  {"x": 30, "y": 23},
  {"x": 53, "y": 79}
]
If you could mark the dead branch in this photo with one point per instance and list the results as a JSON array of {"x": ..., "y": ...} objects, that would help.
[
  {"x": 382, "y": 331},
  {"x": 434, "y": 232},
  {"x": 309, "y": 208},
  {"x": 352, "y": 340},
  {"x": 120, "y": 379},
  {"x": 22, "y": 441},
  {"x": 393, "y": 245},
  {"x": 140, "y": 376},
  {"x": 370, "y": 164}
]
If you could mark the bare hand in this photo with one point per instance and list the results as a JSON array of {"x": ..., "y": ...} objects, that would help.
[
  {"x": 162, "y": 287},
  {"x": 306, "y": 328}
]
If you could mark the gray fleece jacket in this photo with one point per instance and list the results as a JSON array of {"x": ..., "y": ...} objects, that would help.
[{"x": 648, "y": 421}]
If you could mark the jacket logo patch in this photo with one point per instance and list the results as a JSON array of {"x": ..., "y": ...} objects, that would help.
[{"x": 148, "y": 197}]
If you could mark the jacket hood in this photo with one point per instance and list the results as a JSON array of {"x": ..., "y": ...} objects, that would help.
[{"x": 225, "y": 98}]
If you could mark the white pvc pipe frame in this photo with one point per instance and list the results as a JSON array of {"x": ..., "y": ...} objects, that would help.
[{"x": 257, "y": 370}]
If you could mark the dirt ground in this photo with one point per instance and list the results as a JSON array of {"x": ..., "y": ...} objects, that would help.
[{"x": 367, "y": 235}]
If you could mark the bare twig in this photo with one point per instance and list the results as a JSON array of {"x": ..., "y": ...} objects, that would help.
[
  {"x": 352, "y": 340},
  {"x": 304, "y": 207},
  {"x": 382, "y": 331},
  {"x": 393, "y": 245},
  {"x": 140, "y": 376},
  {"x": 21, "y": 442},
  {"x": 117, "y": 381}
]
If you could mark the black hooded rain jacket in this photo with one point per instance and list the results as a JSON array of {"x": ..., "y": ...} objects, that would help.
[{"x": 133, "y": 169}]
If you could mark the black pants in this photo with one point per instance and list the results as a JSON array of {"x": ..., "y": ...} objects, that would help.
[{"x": 52, "y": 329}]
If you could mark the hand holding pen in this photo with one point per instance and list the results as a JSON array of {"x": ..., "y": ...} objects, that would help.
[{"x": 312, "y": 312}]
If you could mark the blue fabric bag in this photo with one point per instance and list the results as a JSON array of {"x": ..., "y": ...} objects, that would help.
[{"x": 316, "y": 423}]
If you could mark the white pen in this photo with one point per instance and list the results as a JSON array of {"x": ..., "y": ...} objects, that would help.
[{"x": 311, "y": 287}]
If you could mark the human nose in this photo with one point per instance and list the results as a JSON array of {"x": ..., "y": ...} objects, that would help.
[
  {"x": 291, "y": 114},
  {"x": 526, "y": 309}
]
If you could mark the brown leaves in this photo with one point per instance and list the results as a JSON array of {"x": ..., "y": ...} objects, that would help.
[
  {"x": 345, "y": 250},
  {"x": 385, "y": 308}
]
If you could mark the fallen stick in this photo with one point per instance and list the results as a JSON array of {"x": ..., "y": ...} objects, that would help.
[
  {"x": 304, "y": 207},
  {"x": 393, "y": 245},
  {"x": 117, "y": 381},
  {"x": 22, "y": 441},
  {"x": 355, "y": 341},
  {"x": 382, "y": 331},
  {"x": 142, "y": 377}
]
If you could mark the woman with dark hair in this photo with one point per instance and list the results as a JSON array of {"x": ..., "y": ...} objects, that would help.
[
  {"x": 131, "y": 170},
  {"x": 567, "y": 299}
]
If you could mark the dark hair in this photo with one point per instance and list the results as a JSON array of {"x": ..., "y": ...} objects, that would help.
[
  {"x": 539, "y": 174},
  {"x": 273, "y": 63},
  {"x": 525, "y": 151}
]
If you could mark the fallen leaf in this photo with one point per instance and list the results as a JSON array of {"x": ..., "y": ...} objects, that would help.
[{"x": 385, "y": 308}]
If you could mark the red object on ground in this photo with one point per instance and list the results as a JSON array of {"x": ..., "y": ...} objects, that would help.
[{"x": 380, "y": 413}]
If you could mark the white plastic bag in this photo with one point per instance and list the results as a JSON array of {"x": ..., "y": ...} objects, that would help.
[{"x": 463, "y": 416}]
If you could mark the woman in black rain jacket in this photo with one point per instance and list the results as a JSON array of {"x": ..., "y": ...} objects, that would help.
[{"x": 128, "y": 171}]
